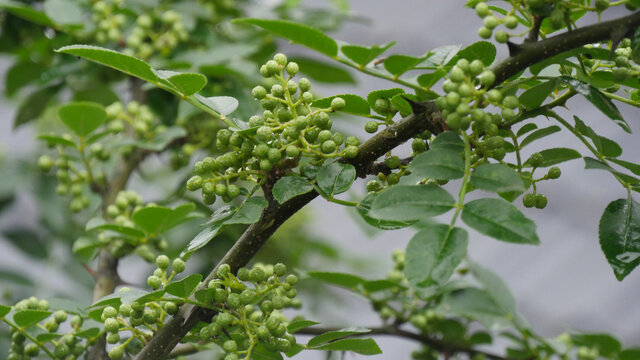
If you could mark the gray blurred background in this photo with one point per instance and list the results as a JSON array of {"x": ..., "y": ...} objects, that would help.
[{"x": 564, "y": 284}]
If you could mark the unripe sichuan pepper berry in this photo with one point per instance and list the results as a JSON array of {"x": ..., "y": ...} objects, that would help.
[
  {"x": 541, "y": 201},
  {"x": 554, "y": 173},
  {"x": 529, "y": 200}
]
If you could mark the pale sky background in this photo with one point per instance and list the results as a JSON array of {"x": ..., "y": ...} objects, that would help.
[{"x": 564, "y": 284}]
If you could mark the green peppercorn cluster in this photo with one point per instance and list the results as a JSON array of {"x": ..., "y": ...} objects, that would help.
[
  {"x": 397, "y": 170},
  {"x": 465, "y": 106},
  {"x": 534, "y": 199},
  {"x": 128, "y": 326},
  {"x": 557, "y": 12},
  {"x": 158, "y": 31},
  {"x": 120, "y": 212},
  {"x": 491, "y": 22},
  {"x": 137, "y": 116},
  {"x": 248, "y": 307},
  {"x": 25, "y": 346},
  {"x": 73, "y": 175},
  {"x": 624, "y": 68},
  {"x": 161, "y": 32},
  {"x": 109, "y": 18},
  {"x": 289, "y": 129},
  {"x": 384, "y": 107}
]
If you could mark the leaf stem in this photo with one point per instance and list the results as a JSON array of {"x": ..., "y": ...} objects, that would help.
[{"x": 465, "y": 180}]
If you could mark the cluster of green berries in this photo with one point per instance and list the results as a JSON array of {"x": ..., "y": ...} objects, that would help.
[
  {"x": 109, "y": 19},
  {"x": 491, "y": 22},
  {"x": 534, "y": 199},
  {"x": 587, "y": 353},
  {"x": 73, "y": 178},
  {"x": 139, "y": 117},
  {"x": 398, "y": 169},
  {"x": 624, "y": 68},
  {"x": 160, "y": 276},
  {"x": 120, "y": 212},
  {"x": 150, "y": 34},
  {"x": 466, "y": 98},
  {"x": 248, "y": 307},
  {"x": 63, "y": 346},
  {"x": 384, "y": 107},
  {"x": 129, "y": 324},
  {"x": 290, "y": 128},
  {"x": 140, "y": 319}
]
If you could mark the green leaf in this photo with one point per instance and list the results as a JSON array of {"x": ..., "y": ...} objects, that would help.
[
  {"x": 363, "y": 55},
  {"x": 337, "y": 334},
  {"x": 607, "y": 345},
  {"x": 635, "y": 41},
  {"x": 433, "y": 254},
  {"x": 399, "y": 102},
  {"x": 363, "y": 208},
  {"x": 183, "y": 288},
  {"x": 223, "y": 105},
  {"x": 297, "y": 33},
  {"x": 98, "y": 223},
  {"x": 214, "y": 225},
  {"x": 476, "y": 304},
  {"x": 323, "y": 72},
  {"x": 619, "y": 233},
  {"x": 335, "y": 178},
  {"x": 448, "y": 140},
  {"x": 249, "y": 212},
  {"x": 28, "y": 241},
  {"x": 113, "y": 59},
  {"x": 85, "y": 248},
  {"x": 629, "y": 354},
  {"x": 186, "y": 83},
  {"x": 359, "y": 346},
  {"x": 495, "y": 287},
  {"x": 289, "y": 187},
  {"x": 399, "y": 64},
  {"x": 440, "y": 56},
  {"x": 26, "y": 318},
  {"x": 380, "y": 285},
  {"x": 526, "y": 128},
  {"x": 438, "y": 164},
  {"x": 31, "y": 108},
  {"x": 4, "y": 310},
  {"x": 634, "y": 168},
  {"x": 384, "y": 93},
  {"x": 555, "y": 156},
  {"x": 21, "y": 74},
  {"x": 591, "y": 163},
  {"x": 354, "y": 104},
  {"x": 598, "y": 99},
  {"x": 429, "y": 79},
  {"x": 335, "y": 278},
  {"x": 535, "y": 96},
  {"x": 496, "y": 178},
  {"x": 158, "y": 219},
  {"x": 604, "y": 146},
  {"x": 160, "y": 141},
  {"x": 82, "y": 117},
  {"x": 411, "y": 203},
  {"x": 64, "y": 12},
  {"x": 298, "y": 325},
  {"x": 500, "y": 220},
  {"x": 27, "y": 12},
  {"x": 481, "y": 50},
  {"x": 539, "y": 134}
]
